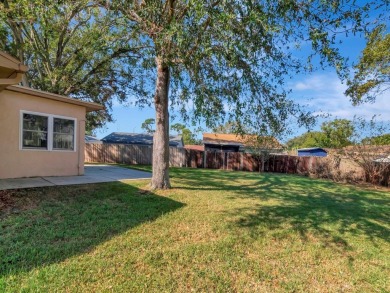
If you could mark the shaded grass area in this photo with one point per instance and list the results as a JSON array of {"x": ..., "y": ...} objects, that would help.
[
  {"x": 49, "y": 225},
  {"x": 215, "y": 231}
]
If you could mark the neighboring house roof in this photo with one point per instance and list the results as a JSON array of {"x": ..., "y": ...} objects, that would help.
[
  {"x": 194, "y": 147},
  {"x": 312, "y": 149},
  {"x": 139, "y": 138},
  {"x": 238, "y": 140},
  {"x": 315, "y": 152},
  {"x": 92, "y": 139}
]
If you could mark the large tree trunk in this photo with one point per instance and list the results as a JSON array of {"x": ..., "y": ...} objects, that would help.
[{"x": 160, "y": 178}]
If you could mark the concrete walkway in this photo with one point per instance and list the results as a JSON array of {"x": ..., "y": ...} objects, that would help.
[{"x": 93, "y": 174}]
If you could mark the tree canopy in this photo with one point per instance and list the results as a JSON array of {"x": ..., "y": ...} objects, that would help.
[
  {"x": 383, "y": 139},
  {"x": 230, "y": 59},
  {"x": 231, "y": 127},
  {"x": 306, "y": 140},
  {"x": 337, "y": 133},
  {"x": 372, "y": 72},
  {"x": 72, "y": 48}
]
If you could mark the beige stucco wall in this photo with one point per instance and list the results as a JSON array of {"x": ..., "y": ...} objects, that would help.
[{"x": 16, "y": 162}]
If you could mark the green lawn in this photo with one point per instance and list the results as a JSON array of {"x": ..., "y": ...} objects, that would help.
[{"x": 215, "y": 231}]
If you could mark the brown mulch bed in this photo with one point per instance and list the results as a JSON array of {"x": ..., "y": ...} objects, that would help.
[
  {"x": 7, "y": 202},
  {"x": 16, "y": 200}
]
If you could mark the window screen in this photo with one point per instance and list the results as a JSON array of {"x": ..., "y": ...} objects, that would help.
[
  {"x": 63, "y": 134},
  {"x": 35, "y": 131}
]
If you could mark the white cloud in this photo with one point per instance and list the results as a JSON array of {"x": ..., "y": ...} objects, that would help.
[{"x": 325, "y": 93}]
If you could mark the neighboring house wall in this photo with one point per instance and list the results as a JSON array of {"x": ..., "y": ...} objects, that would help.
[
  {"x": 17, "y": 162},
  {"x": 220, "y": 142},
  {"x": 221, "y": 148}
]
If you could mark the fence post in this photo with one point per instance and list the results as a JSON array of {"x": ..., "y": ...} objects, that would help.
[{"x": 286, "y": 164}]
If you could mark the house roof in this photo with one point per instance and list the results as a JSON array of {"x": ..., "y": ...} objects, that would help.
[
  {"x": 26, "y": 90},
  {"x": 10, "y": 65},
  {"x": 92, "y": 139},
  {"x": 312, "y": 149},
  {"x": 222, "y": 139},
  {"x": 11, "y": 72},
  {"x": 194, "y": 147},
  {"x": 138, "y": 138},
  {"x": 237, "y": 140}
]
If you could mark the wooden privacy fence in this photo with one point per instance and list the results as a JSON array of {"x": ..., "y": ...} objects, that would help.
[
  {"x": 130, "y": 154},
  {"x": 179, "y": 157},
  {"x": 249, "y": 162}
]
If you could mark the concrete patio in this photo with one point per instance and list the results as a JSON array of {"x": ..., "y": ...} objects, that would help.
[{"x": 93, "y": 174}]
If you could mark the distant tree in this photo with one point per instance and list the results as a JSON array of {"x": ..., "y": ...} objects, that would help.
[
  {"x": 372, "y": 73},
  {"x": 147, "y": 125},
  {"x": 187, "y": 135},
  {"x": 336, "y": 133},
  {"x": 306, "y": 140},
  {"x": 178, "y": 127},
  {"x": 383, "y": 139}
]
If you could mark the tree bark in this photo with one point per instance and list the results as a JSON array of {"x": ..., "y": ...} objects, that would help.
[{"x": 160, "y": 177}]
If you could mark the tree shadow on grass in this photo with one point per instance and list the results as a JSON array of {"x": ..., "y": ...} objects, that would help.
[
  {"x": 308, "y": 206},
  {"x": 49, "y": 225},
  {"x": 329, "y": 210}
]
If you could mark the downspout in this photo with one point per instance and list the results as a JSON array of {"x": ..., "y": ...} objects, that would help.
[{"x": 81, "y": 147}]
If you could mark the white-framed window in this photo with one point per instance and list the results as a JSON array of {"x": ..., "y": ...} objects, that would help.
[
  {"x": 40, "y": 131},
  {"x": 34, "y": 131},
  {"x": 63, "y": 134}
]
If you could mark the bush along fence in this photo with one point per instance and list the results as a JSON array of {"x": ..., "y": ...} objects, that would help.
[{"x": 329, "y": 167}]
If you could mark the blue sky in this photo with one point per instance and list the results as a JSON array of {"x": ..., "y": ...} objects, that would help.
[{"x": 321, "y": 91}]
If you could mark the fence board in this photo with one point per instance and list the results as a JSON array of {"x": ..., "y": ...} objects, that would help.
[
  {"x": 194, "y": 158},
  {"x": 233, "y": 161}
]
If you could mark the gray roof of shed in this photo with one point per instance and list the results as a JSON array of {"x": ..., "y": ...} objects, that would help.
[
  {"x": 312, "y": 149},
  {"x": 138, "y": 138},
  {"x": 92, "y": 139}
]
